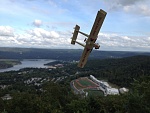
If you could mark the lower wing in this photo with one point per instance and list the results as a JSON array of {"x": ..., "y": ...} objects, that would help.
[{"x": 84, "y": 57}]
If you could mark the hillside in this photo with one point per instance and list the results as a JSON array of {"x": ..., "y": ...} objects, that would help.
[
  {"x": 7, "y": 63},
  {"x": 36, "y": 90},
  {"x": 61, "y": 54},
  {"x": 120, "y": 71}
]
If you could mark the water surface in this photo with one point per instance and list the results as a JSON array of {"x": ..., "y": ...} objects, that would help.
[{"x": 29, "y": 63}]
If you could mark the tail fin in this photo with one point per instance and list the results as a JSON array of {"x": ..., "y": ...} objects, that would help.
[{"x": 75, "y": 34}]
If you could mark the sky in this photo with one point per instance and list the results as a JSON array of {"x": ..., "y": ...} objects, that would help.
[{"x": 50, "y": 23}]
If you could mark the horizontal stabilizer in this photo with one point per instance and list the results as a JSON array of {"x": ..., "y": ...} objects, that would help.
[{"x": 75, "y": 34}]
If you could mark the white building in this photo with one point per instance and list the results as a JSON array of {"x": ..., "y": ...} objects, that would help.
[
  {"x": 105, "y": 87},
  {"x": 112, "y": 91},
  {"x": 123, "y": 90},
  {"x": 6, "y": 97}
]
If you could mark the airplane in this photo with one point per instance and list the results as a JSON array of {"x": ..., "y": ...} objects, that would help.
[{"x": 90, "y": 42}]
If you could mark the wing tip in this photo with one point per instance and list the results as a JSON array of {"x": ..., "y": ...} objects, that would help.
[{"x": 102, "y": 11}]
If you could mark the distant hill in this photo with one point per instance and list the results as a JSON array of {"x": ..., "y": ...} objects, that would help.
[
  {"x": 61, "y": 54},
  {"x": 121, "y": 71}
]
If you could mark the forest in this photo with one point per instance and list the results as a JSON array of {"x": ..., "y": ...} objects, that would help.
[
  {"x": 57, "y": 97},
  {"x": 61, "y": 54}
]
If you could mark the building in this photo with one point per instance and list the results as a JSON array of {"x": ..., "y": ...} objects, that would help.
[
  {"x": 112, "y": 91},
  {"x": 123, "y": 90},
  {"x": 6, "y": 97},
  {"x": 105, "y": 87}
]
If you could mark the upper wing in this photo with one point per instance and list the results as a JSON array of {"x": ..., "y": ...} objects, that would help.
[
  {"x": 84, "y": 57},
  {"x": 92, "y": 37},
  {"x": 96, "y": 26}
]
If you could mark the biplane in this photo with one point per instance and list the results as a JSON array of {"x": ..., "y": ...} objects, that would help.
[{"x": 90, "y": 42}]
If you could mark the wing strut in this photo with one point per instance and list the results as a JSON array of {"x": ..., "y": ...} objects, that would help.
[{"x": 80, "y": 43}]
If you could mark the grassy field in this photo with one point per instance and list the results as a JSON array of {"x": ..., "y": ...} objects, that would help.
[
  {"x": 7, "y": 63},
  {"x": 88, "y": 86},
  {"x": 84, "y": 83},
  {"x": 78, "y": 86},
  {"x": 10, "y": 61},
  {"x": 95, "y": 92}
]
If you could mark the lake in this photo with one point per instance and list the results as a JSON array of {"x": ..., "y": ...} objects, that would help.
[{"x": 29, "y": 63}]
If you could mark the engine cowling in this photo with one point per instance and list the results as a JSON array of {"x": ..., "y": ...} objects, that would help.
[{"x": 97, "y": 46}]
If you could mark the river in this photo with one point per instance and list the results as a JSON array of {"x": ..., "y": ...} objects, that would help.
[{"x": 29, "y": 63}]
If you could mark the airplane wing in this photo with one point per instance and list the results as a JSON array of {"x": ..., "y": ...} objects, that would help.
[
  {"x": 96, "y": 26},
  {"x": 92, "y": 37},
  {"x": 84, "y": 57},
  {"x": 75, "y": 34}
]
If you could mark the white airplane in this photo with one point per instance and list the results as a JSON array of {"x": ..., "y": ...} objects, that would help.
[{"x": 90, "y": 42}]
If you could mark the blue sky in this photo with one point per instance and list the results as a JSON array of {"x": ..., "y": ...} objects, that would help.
[{"x": 49, "y": 23}]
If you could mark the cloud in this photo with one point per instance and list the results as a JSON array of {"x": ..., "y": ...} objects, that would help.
[
  {"x": 128, "y": 2},
  {"x": 36, "y": 37},
  {"x": 42, "y": 33},
  {"x": 6, "y": 31},
  {"x": 37, "y": 23},
  {"x": 112, "y": 42},
  {"x": 42, "y": 38},
  {"x": 117, "y": 4},
  {"x": 138, "y": 7}
]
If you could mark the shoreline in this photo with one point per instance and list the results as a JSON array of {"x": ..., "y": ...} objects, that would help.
[{"x": 24, "y": 63}]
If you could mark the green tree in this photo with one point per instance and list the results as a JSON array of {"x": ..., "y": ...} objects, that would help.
[{"x": 139, "y": 96}]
